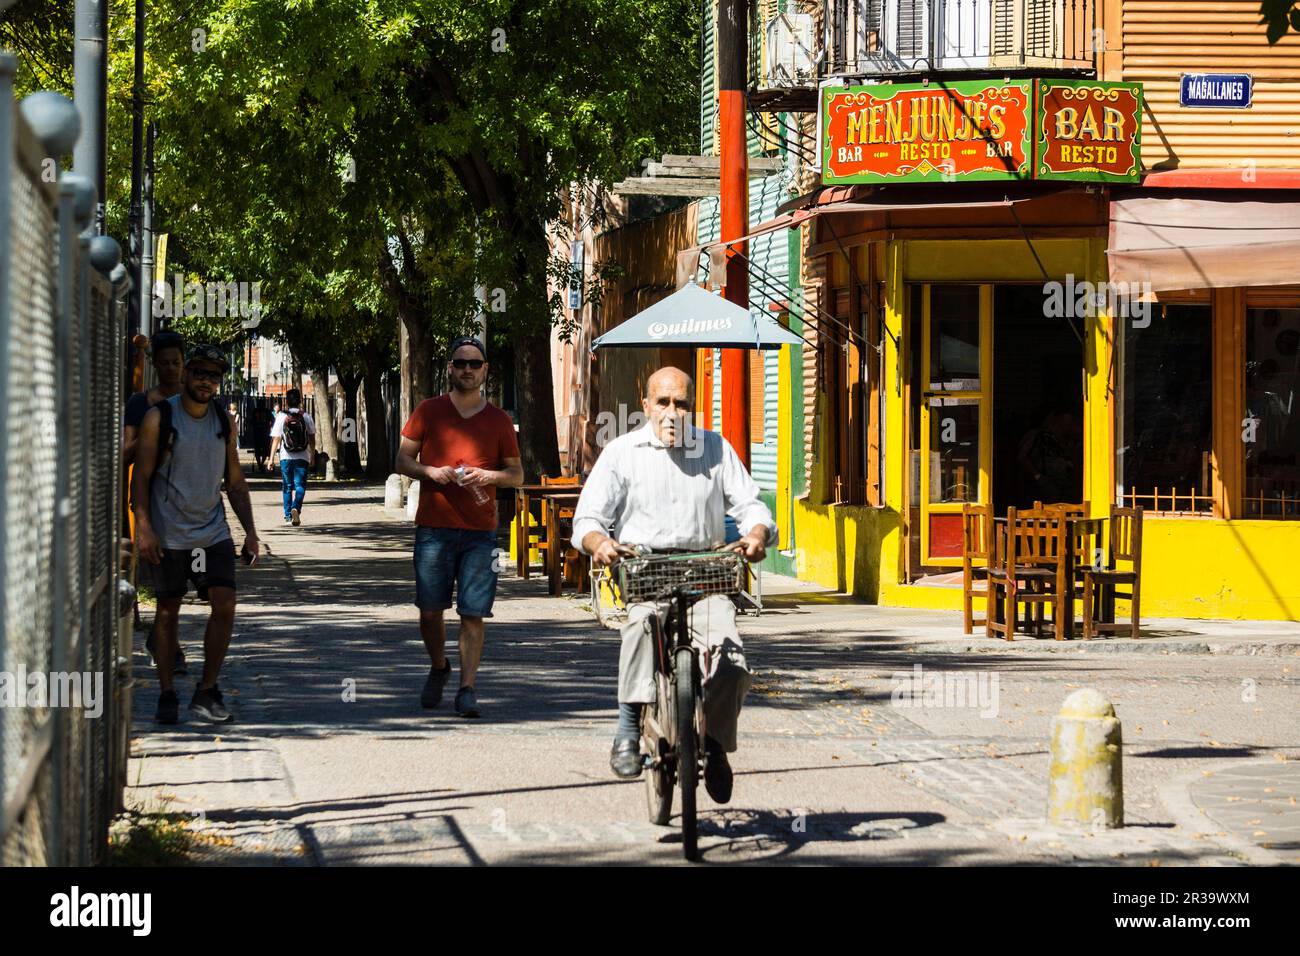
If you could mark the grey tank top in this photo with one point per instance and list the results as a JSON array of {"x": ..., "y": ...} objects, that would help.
[{"x": 185, "y": 501}]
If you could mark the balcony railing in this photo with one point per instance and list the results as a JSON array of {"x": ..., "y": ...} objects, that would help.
[
  {"x": 896, "y": 38},
  {"x": 914, "y": 36}
]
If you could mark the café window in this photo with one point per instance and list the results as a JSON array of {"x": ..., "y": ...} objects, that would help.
[
  {"x": 1271, "y": 425},
  {"x": 1163, "y": 449}
]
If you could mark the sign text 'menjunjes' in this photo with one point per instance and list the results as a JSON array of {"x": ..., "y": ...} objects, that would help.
[{"x": 982, "y": 130}]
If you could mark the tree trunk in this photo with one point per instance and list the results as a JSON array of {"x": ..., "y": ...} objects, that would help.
[
  {"x": 327, "y": 440},
  {"x": 539, "y": 444},
  {"x": 418, "y": 356},
  {"x": 379, "y": 457},
  {"x": 351, "y": 423}
]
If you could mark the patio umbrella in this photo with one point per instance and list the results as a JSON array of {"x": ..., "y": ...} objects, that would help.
[{"x": 695, "y": 318}]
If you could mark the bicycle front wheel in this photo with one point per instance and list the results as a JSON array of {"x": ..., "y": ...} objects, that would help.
[{"x": 688, "y": 745}]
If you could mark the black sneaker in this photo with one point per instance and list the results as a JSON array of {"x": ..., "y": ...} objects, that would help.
[
  {"x": 169, "y": 708},
  {"x": 466, "y": 702},
  {"x": 209, "y": 705},
  {"x": 431, "y": 696}
]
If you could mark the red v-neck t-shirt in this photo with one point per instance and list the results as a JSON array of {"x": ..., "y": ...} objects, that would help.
[{"x": 484, "y": 440}]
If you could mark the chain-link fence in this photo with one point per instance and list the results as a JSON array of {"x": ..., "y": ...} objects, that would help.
[{"x": 64, "y": 708}]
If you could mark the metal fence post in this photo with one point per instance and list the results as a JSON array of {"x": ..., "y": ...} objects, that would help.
[
  {"x": 63, "y": 505},
  {"x": 8, "y": 67}
]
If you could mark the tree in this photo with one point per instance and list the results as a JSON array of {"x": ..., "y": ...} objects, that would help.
[{"x": 424, "y": 140}]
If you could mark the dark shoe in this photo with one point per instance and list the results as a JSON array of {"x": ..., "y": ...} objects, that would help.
[
  {"x": 431, "y": 696},
  {"x": 209, "y": 705},
  {"x": 625, "y": 759},
  {"x": 466, "y": 702},
  {"x": 169, "y": 708},
  {"x": 717, "y": 772},
  {"x": 295, "y": 517}
]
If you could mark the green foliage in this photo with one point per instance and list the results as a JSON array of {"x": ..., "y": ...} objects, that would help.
[
  {"x": 301, "y": 144},
  {"x": 150, "y": 838},
  {"x": 39, "y": 33}
]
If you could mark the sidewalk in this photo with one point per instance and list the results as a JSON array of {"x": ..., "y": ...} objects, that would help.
[{"x": 331, "y": 760}]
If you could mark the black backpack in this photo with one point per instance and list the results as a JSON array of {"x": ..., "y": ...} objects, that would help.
[
  {"x": 167, "y": 432},
  {"x": 294, "y": 437}
]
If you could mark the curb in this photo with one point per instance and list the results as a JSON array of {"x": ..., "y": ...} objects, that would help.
[{"x": 1141, "y": 646}]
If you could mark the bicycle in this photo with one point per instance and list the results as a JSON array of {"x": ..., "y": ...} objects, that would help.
[{"x": 673, "y": 727}]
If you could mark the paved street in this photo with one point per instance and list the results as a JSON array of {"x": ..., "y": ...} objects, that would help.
[{"x": 833, "y": 766}]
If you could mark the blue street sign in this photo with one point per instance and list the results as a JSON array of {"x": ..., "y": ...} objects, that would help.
[{"x": 1216, "y": 90}]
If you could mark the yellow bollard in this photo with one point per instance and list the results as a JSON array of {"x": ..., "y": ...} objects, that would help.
[{"x": 1085, "y": 785}]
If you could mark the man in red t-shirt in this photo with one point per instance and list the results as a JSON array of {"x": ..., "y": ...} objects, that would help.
[{"x": 466, "y": 449}]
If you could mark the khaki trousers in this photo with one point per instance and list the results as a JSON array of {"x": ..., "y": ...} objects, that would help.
[{"x": 713, "y": 633}]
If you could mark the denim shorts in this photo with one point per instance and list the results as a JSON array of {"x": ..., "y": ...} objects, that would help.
[{"x": 468, "y": 559}]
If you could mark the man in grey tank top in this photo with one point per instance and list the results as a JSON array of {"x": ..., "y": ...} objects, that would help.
[{"x": 186, "y": 449}]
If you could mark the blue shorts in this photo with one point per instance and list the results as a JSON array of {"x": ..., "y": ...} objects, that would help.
[{"x": 469, "y": 559}]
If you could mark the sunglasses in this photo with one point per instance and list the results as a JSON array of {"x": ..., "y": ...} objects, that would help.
[
  {"x": 205, "y": 375},
  {"x": 475, "y": 364}
]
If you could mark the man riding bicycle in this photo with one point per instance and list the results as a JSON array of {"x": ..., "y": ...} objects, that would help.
[{"x": 669, "y": 486}]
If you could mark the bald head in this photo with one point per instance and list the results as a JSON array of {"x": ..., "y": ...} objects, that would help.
[
  {"x": 669, "y": 376},
  {"x": 669, "y": 397}
]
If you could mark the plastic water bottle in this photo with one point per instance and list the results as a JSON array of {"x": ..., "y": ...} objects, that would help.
[{"x": 476, "y": 491}]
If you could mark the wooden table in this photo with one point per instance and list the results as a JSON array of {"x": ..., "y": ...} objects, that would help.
[
  {"x": 524, "y": 496},
  {"x": 554, "y": 553},
  {"x": 1090, "y": 530}
]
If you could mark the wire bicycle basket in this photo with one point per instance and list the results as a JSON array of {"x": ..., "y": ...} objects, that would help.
[{"x": 654, "y": 577}]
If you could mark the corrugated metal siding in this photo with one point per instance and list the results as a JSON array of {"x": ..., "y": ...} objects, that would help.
[
  {"x": 813, "y": 269},
  {"x": 769, "y": 282},
  {"x": 1166, "y": 38},
  {"x": 708, "y": 80}
]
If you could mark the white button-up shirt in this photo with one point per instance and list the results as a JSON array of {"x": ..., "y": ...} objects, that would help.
[{"x": 642, "y": 491}]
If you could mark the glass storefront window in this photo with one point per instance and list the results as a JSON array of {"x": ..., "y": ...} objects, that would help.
[
  {"x": 1271, "y": 429},
  {"x": 954, "y": 449},
  {"x": 955, "y": 338},
  {"x": 1166, "y": 424}
]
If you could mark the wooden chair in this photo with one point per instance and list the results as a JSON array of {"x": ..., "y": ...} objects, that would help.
[
  {"x": 1069, "y": 508},
  {"x": 977, "y": 556},
  {"x": 1099, "y": 584},
  {"x": 544, "y": 524},
  {"x": 1031, "y": 572}
]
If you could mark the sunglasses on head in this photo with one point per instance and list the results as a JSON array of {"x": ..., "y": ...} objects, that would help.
[{"x": 475, "y": 364}]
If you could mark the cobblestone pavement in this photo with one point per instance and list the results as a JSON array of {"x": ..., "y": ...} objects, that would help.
[{"x": 331, "y": 760}]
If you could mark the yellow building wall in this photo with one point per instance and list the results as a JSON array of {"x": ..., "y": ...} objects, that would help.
[
  {"x": 1207, "y": 568},
  {"x": 1192, "y": 567}
]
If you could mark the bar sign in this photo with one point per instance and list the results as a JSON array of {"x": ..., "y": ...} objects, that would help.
[{"x": 1230, "y": 91}]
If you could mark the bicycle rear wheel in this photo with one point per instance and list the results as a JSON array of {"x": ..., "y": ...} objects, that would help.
[
  {"x": 656, "y": 725},
  {"x": 659, "y": 790},
  {"x": 687, "y": 745}
]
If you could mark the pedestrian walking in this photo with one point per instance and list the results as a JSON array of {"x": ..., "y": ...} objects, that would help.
[
  {"x": 186, "y": 451},
  {"x": 669, "y": 486},
  {"x": 462, "y": 448},
  {"x": 167, "y": 351},
  {"x": 294, "y": 436}
]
